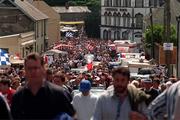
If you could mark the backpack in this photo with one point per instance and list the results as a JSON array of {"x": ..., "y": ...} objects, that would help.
[{"x": 136, "y": 97}]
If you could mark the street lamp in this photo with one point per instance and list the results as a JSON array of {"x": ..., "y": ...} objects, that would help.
[{"x": 178, "y": 45}]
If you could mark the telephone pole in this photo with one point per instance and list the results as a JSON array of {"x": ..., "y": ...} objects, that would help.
[
  {"x": 152, "y": 32},
  {"x": 167, "y": 31}
]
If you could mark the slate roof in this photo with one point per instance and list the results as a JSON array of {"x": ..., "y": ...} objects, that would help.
[
  {"x": 72, "y": 9},
  {"x": 30, "y": 10}
]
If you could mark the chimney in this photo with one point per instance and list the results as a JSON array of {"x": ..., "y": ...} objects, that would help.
[{"x": 67, "y": 5}]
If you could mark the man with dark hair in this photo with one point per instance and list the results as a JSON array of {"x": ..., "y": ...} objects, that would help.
[
  {"x": 22, "y": 76},
  {"x": 6, "y": 90},
  {"x": 148, "y": 89},
  {"x": 156, "y": 84},
  {"x": 60, "y": 80},
  {"x": 39, "y": 99},
  {"x": 49, "y": 75},
  {"x": 122, "y": 101}
]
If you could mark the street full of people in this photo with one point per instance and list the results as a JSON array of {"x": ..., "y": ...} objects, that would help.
[{"x": 53, "y": 91}]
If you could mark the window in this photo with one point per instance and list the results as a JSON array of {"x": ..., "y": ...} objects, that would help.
[
  {"x": 114, "y": 18},
  {"x": 105, "y": 18},
  {"x": 42, "y": 28},
  {"x": 105, "y": 35},
  {"x": 105, "y": 2},
  {"x": 109, "y": 3},
  {"x": 125, "y": 35},
  {"x": 115, "y": 3},
  {"x": 118, "y": 2},
  {"x": 151, "y": 3},
  {"x": 42, "y": 49},
  {"x": 128, "y": 20},
  {"x": 109, "y": 18},
  {"x": 37, "y": 29},
  {"x": 109, "y": 35},
  {"x": 155, "y": 3},
  {"x": 124, "y": 20},
  {"x": 139, "y": 20},
  {"x": 116, "y": 35},
  {"x": 128, "y": 3},
  {"x": 125, "y": 2},
  {"x": 119, "y": 19},
  {"x": 139, "y": 3}
]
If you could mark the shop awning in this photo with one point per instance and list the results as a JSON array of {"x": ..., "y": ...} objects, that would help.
[
  {"x": 71, "y": 23},
  {"x": 52, "y": 51},
  {"x": 28, "y": 42},
  {"x": 66, "y": 29}
]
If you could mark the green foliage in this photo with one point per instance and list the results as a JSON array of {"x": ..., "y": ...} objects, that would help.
[
  {"x": 56, "y": 2},
  {"x": 158, "y": 31},
  {"x": 88, "y": 3}
]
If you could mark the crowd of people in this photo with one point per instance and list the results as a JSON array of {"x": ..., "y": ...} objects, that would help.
[
  {"x": 80, "y": 48},
  {"x": 39, "y": 92}
]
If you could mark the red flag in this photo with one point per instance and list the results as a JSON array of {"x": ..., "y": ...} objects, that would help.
[{"x": 90, "y": 66}]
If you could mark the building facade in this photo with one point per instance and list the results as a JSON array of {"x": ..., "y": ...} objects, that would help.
[
  {"x": 123, "y": 19},
  {"x": 53, "y": 34},
  {"x": 22, "y": 28},
  {"x": 72, "y": 16}
]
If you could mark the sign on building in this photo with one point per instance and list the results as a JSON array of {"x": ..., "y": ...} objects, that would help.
[{"x": 168, "y": 46}]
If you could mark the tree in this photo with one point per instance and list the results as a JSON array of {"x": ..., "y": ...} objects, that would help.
[
  {"x": 158, "y": 35},
  {"x": 56, "y": 2}
]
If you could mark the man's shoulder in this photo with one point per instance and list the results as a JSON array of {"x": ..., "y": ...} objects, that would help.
[
  {"x": 93, "y": 96},
  {"x": 54, "y": 87},
  {"x": 20, "y": 91},
  {"x": 173, "y": 89},
  {"x": 78, "y": 95},
  {"x": 48, "y": 86},
  {"x": 108, "y": 94}
]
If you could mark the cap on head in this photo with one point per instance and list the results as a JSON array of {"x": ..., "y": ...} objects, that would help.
[
  {"x": 85, "y": 86},
  {"x": 147, "y": 80}
]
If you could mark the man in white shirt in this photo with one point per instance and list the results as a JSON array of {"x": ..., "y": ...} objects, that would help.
[{"x": 84, "y": 102}]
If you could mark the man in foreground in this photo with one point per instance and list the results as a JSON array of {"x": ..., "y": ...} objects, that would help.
[
  {"x": 39, "y": 99},
  {"x": 121, "y": 102},
  {"x": 84, "y": 102}
]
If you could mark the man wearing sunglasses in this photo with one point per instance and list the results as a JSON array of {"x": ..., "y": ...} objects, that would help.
[{"x": 122, "y": 101}]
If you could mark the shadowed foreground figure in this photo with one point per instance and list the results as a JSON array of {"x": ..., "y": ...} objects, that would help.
[
  {"x": 4, "y": 110},
  {"x": 39, "y": 99}
]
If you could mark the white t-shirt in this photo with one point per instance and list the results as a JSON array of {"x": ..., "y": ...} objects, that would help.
[{"x": 84, "y": 106}]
